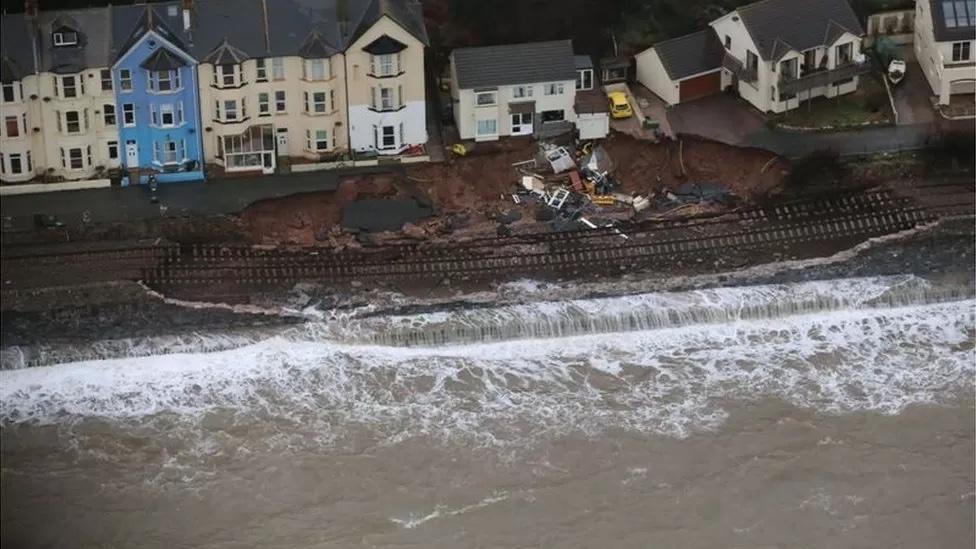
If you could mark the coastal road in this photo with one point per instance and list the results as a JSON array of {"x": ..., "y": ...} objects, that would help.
[{"x": 117, "y": 204}]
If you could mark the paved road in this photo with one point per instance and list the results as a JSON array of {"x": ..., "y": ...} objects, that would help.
[
  {"x": 179, "y": 199},
  {"x": 730, "y": 120}
]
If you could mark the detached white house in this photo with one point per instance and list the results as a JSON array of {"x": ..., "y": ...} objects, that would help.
[
  {"x": 773, "y": 53},
  {"x": 518, "y": 89},
  {"x": 944, "y": 35}
]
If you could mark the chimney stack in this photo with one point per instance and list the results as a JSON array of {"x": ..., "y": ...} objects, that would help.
[
  {"x": 31, "y": 8},
  {"x": 187, "y": 6}
]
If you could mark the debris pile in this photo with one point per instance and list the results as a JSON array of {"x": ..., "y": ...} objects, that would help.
[{"x": 576, "y": 189}]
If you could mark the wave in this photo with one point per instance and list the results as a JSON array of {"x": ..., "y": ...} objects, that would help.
[{"x": 861, "y": 349}]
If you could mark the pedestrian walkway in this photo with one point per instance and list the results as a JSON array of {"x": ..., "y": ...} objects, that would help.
[{"x": 115, "y": 204}]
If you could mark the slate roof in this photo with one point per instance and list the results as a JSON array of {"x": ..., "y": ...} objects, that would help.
[
  {"x": 948, "y": 33},
  {"x": 225, "y": 54},
  {"x": 163, "y": 60},
  {"x": 514, "y": 64},
  {"x": 16, "y": 57},
  {"x": 220, "y": 29},
  {"x": 92, "y": 51},
  {"x": 385, "y": 45},
  {"x": 690, "y": 54},
  {"x": 583, "y": 61},
  {"x": 778, "y": 26}
]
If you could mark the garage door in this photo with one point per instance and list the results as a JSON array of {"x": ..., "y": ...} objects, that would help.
[
  {"x": 962, "y": 86},
  {"x": 700, "y": 86}
]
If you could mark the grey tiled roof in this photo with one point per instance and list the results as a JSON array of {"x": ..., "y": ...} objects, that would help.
[
  {"x": 946, "y": 33},
  {"x": 777, "y": 26},
  {"x": 583, "y": 61},
  {"x": 514, "y": 64},
  {"x": 285, "y": 27},
  {"x": 92, "y": 51},
  {"x": 690, "y": 54},
  {"x": 15, "y": 48}
]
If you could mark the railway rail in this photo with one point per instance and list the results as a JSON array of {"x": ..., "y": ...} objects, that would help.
[{"x": 233, "y": 271}]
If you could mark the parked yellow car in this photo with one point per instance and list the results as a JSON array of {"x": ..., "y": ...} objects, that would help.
[{"x": 619, "y": 106}]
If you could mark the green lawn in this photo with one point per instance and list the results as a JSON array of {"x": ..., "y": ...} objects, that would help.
[{"x": 869, "y": 104}]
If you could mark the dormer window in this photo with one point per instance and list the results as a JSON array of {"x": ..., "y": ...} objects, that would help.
[
  {"x": 164, "y": 81},
  {"x": 65, "y": 37}
]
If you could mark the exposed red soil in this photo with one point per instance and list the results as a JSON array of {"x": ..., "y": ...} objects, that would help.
[{"x": 480, "y": 183}]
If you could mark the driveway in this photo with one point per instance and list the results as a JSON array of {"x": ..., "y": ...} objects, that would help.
[
  {"x": 720, "y": 117},
  {"x": 913, "y": 97}
]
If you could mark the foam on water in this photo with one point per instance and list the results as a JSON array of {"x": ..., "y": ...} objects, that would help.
[{"x": 669, "y": 380}]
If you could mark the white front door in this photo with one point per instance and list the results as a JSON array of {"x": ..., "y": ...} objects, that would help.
[
  {"x": 282, "y": 142},
  {"x": 522, "y": 123},
  {"x": 131, "y": 154}
]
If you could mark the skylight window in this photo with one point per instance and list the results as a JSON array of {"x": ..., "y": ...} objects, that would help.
[{"x": 959, "y": 13}]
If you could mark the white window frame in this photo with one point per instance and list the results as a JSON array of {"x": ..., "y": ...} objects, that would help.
[
  {"x": 12, "y": 88},
  {"x": 108, "y": 111},
  {"x": 70, "y": 159},
  {"x": 230, "y": 106},
  {"x": 277, "y": 68},
  {"x": 493, "y": 132},
  {"x": 17, "y": 125},
  {"x": 486, "y": 98},
  {"x": 264, "y": 104},
  {"x": 77, "y": 89},
  {"x": 106, "y": 78},
  {"x": 111, "y": 146},
  {"x": 393, "y": 134},
  {"x": 554, "y": 88},
  {"x": 128, "y": 115},
  {"x": 18, "y": 157},
  {"x": 281, "y": 103},
  {"x": 225, "y": 79},
  {"x": 957, "y": 54},
  {"x": 261, "y": 70},
  {"x": 316, "y": 69},
  {"x": 125, "y": 80},
  {"x": 384, "y": 65},
  {"x": 164, "y": 110},
  {"x": 67, "y": 123},
  {"x": 320, "y": 107},
  {"x": 170, "y": 152},
  {"x": 519, "y": 92},
  {"x": 65, "y": 38},
  {"x": 582, "y": 77}
]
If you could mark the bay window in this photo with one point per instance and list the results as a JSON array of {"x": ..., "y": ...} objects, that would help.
[
  {"x": 164, "y": 81},
  {"x": 317, "y": 140},
  {"x": 384, "y": 65},
  {"x": 316, "y": 69},
  {"x": 262, "y": 70},
  {"x": 244, "y": 151}
]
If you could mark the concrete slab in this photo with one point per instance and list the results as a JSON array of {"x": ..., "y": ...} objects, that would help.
[
  {"x": 912, "y": 97},
  {"x": 653, "y": 107},
  {"x": 720, "y": 117}
]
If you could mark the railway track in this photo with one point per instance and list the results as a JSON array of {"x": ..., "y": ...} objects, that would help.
[{"x": 234, "y": 271}]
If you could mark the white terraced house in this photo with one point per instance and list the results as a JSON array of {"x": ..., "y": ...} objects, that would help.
[
  {"x": 945, "y": 32},
  {"x": 773, "y": 53},
  {"x": 537, "y": 88},
  {"x": 57, "y": 102}
]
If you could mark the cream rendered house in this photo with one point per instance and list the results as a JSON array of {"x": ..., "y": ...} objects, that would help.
[
  {"x": 514, "y": 89},
  {"x": 58, "y": 88},
  {"x": 386, "y": 82},
  {"x": 276, "y": 78},
  {"x": 774, "y": 53},
  {"x": 945, "y": 32}
]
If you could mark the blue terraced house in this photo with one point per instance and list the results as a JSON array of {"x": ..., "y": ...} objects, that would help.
[{"x": 158, "y": 102}]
